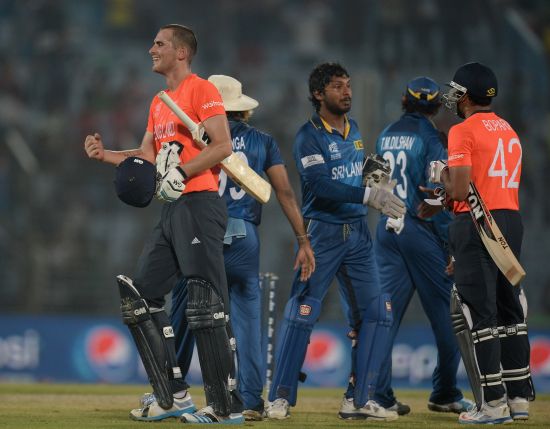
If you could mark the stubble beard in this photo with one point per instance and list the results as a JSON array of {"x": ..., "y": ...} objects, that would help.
[{"x": 335, "y": 109}]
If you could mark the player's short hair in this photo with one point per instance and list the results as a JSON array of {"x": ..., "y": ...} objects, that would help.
[
  {"x": 239, "y": 116},
  {"x": 320, "y": 77},
  {"x": 182, "y": 35}
]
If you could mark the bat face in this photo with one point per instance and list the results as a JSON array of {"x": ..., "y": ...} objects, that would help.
[
  {"x": 246, "y": 178},
  {"x": 493, "y": 239},
  {"x": 233, "y": 165}
]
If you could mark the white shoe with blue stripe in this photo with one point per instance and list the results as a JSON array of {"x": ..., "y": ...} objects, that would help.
[
  {"x": 519, "y": 408},
  {"x": 208, "y": 416},
  {"x": 151, "y": 411},
  {"x": 492, "y": 413}
]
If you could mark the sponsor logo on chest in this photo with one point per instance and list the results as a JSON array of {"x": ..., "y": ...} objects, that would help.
[{"x": 334, "y": 151}]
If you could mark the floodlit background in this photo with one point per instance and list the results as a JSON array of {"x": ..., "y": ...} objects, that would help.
[{"x": 69, "y": 68}]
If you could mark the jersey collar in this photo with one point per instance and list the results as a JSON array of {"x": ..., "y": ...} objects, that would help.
[{"x": 320, "y": 123}]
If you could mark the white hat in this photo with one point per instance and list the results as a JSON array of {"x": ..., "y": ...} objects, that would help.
[{"x": 231, "y": 91}]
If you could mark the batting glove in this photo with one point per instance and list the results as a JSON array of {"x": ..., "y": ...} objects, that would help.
[
  {"x": 168, "y": 157},
  {"x": 172, "y": 185},
  {"x": 383, "y": 200},
  {"x": 436, "y": 168},
  {"x": 395, "y": 225}
]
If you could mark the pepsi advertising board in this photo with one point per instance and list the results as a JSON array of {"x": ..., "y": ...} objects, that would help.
[{"x": 78, "y": 349}]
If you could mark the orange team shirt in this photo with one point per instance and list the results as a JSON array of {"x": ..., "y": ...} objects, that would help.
[
  {"x": 490, "y": 146},
  {"x": 200, "y": 100}
]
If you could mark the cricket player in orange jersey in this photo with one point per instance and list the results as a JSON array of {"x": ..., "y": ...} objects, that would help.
[
  {"x": 485, "y": 150},
  {"x": 187, "y": 242}
]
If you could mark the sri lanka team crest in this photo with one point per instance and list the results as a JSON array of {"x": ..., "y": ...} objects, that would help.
[{"x": 305, "y": 310}]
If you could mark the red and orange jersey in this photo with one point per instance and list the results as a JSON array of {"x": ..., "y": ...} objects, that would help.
[
  {"x": 200, "y": 100},
  {"x": 492, "y": 149}
]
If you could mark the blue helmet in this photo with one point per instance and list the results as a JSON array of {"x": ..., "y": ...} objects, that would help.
[{"x": 423, "y": 91}]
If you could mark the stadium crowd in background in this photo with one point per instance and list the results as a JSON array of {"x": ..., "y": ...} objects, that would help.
[{"x": 86, "y": 50}]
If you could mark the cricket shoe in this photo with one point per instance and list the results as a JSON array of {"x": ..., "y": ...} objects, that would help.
[
  {"x": 400, "y": 408},
  {"x": 452, "y": 407},
  {"x": 278, "y": 409},
  {"x": 151, "y": 411},
  {"x": 255, "y": 414},
  {"x": 519, "y": 408},
  {"x": 493, "y": 413},
  {"x": 147, "y": 399},
  {"x": 371, "y": 411},
  {"x": 208, "y": 416}
]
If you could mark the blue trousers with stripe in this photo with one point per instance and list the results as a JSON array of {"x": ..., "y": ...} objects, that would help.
[
  {"x": 347, "y": 254},
  {"x": 412, "y": 261}
]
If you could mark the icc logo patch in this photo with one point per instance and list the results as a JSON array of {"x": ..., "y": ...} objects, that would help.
[
  {"x": 305, "y": 310},
  {"x": 491, "y": 92}
]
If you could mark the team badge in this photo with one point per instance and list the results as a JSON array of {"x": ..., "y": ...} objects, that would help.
[
  {"x": 491, "y": 92},
  {"x": 358, "y": 144},
  {"x": 388, "y": 305},
  {"x": 305, "y": 310}
]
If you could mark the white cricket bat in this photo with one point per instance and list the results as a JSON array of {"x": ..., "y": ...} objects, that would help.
[
  {"x": 235, "y": 167},
  {"x": 492, "y": 238}
]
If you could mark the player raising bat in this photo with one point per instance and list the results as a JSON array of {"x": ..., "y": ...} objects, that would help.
[{"x": 489, "y": 314}]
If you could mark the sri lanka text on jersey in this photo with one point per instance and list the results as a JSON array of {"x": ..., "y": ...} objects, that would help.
[{"x": 347, "y": 170}]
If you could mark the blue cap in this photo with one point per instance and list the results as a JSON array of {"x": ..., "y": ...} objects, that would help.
[
  {"x": 423, "y": 90},
  {"x": 135, "y": 181}
]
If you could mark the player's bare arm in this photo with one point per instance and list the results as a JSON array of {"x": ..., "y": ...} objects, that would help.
[
  {"x": 457, "y": 182},
  {"x": 305, "y": 258},
  {"x": 93, "y": 145},
  {"x": 219, "y": 148}
]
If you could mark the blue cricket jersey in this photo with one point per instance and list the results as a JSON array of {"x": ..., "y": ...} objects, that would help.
[
  {"x": 261, "y": 152},
  {"x": 330, "y": 166},
  {"x": 409, "y": 145}
]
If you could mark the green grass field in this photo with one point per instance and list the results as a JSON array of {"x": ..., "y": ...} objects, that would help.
[{"x": 104, "y": 406}]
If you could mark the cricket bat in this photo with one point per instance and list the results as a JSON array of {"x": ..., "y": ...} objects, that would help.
[
  {"x": 234, "y": 166},
  {"x": 492, "y": 238}
]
